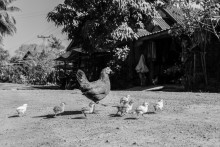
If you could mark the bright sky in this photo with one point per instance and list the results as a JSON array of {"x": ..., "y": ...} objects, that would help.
[{"x": 31, "y": 22}]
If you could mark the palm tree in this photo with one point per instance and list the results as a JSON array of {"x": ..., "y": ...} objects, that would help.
[{"x": 7, "y": 22}]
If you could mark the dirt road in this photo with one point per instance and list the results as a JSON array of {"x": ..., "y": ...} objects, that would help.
[{"x": 188, "y": 119}]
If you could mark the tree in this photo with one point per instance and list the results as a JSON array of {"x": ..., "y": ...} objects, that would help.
[
  {"x": 55, "y": 43},
  {"x": 199, "y": 15},
  {"x": 4, "y": 56},
  {"x": 200, "y": 24},
  {"x": 38, "y": 66},
  {"x": 7, "y": 22},
  {"x": 102, "y": 24}
]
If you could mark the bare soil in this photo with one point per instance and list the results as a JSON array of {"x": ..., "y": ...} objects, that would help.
[{"x": 188, "y": 119}]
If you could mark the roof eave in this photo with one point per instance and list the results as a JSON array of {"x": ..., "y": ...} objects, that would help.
[{"x": 156, "y": 35}]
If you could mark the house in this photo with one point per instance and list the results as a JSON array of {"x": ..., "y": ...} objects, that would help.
[{"x": 160, "y": 49}]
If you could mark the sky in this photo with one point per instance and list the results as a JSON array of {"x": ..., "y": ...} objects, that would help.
[{"x": 30, "y": 22}]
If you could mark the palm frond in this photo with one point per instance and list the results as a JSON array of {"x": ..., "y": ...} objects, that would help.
[
  {"x": 7, "y": 22},
  {"x": 7, "y": 2},
  {"x": 13, "y": 9},
  {"x": 7, "y": 27}
]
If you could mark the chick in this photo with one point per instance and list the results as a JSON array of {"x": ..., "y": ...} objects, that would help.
[
  {"x": 142, "y": 109},
  {"x": 59, "y": 109},
  {"x": 159, "y": 105},
  {"x": 22, "y": 109},
  {"x": 88, "y": 110},
  {"x": 129, "y": 106},
  {"x": 125, "y": 107},
  {"x": 125, "y": 99}
]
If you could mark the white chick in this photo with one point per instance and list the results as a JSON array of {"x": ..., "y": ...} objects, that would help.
[
  {"x": 125, "y": 108},
  {"x": 22, "y": 109},
  {"x": 129, "y": 106},
  {"x": 125, "y": 99},
  {"x": 142, "y": 109},
  {"x": 59, "y": 109},
  {"x": 159, "y": 105},
  {"x": 88, "y": 110}
]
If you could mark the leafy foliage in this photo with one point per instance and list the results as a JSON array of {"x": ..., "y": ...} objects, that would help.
[
  {"x": 199, "y": 15},
  {"x": 120, "y": 55},
  {"x": 7, "y": 22},
  {"x": 55, "y": 43},
  {"x": 38, "y": 66},
  {"x": 101, "y": 24},
  {"x": 200, "y": 23},
  {"x": 4, "y": 57}
]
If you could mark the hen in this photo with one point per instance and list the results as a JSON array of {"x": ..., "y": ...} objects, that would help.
[{"x": 96, "y": 90}]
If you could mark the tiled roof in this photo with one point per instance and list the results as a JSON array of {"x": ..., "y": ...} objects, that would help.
[
  {"x": 175, "y": 13},
  {"x": 157, "y": 32},
  {"x": 161, "y": 23},
  {"x": 142, "y": 32}
]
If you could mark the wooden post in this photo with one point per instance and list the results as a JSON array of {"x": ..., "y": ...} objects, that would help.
[
  {"x": 131, "y": 60},
  {"x": 194, "y": 69}
]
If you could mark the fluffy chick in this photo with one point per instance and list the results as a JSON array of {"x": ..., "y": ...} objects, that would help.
[
  {"x": 159, "y": 105},
  {"x": 124, "y": 99},
  {"x": 21, "y": 110},
  {"x": 129, "y": 106},
  {"x": 88, "y": 110},
  {"x": 142, "y": 109},
  {"x": 59, "y": 109},
  {"x": 125, "y": 108}
]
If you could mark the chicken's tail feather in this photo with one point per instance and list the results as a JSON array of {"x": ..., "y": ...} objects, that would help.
[{"x": 81, "y": 77}]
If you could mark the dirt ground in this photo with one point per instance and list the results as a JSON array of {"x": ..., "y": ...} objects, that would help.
[{"x": 188, "y": 119}]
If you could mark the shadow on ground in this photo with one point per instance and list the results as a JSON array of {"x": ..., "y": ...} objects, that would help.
[
  {"x": 13, "y": 116},
  {"x": 114, "y": 115},
  {"x": 131, "y": 118},
  {"x": 46, "y": 87},
  {"x": 150, "y": 113},
  {"x": 48, "y": 116},
  {"x": 81, "y": 117}
]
